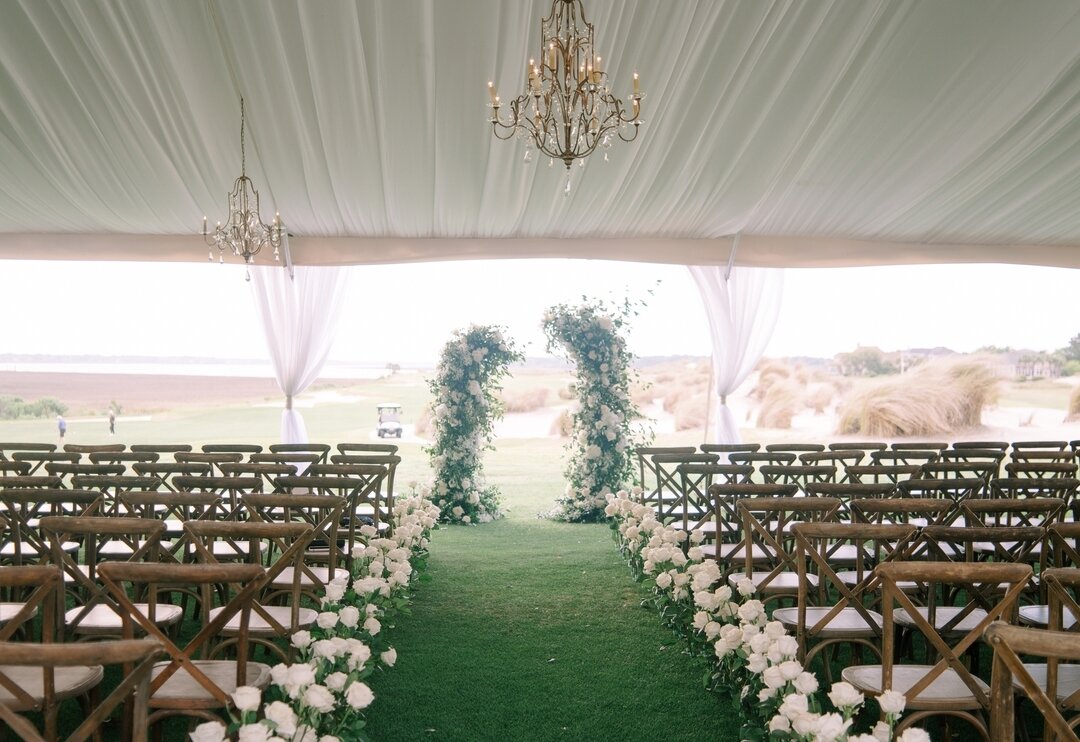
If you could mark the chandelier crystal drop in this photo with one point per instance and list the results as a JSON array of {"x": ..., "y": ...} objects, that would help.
[
  {"x": 244, "y": 234},
  {"x": 567, "y": 110}
]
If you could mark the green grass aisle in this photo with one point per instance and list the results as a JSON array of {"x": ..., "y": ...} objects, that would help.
[{"x": 532, "y": 630}]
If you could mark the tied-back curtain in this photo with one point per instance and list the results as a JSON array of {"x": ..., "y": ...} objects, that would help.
[
  {"x": 742, "y": 308},
  {"x": 300, "y": 317}
]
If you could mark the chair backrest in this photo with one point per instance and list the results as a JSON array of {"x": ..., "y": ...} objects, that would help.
[
  {"x": 916, "y": 511},
  {"x": 801, "y": 475},
  {"x": 723, "y": 448},
  {"x": 301, "y": 460},
  {"x": 726, "y": 497},
  {"x": 161, "y": 448},
  {"x": 178, "y": 507},
  {"x": 694, "y": 483},
  {"x": 149, "y": 579},
  {"x": 881, "y": 473},
  {"x": 905, "y": 456},
  {"x": 795, "y": 447},
  {"x": 268, "y": 472},
  {"x": 866, "y": 446},
  {"x": 982, "y": 455},
  {"x": 229, "y": 489},
  {"x": 165, "y": 473},
  {"x": 9, "y": 447},
  {"x": 1040, "y": 469},
  {"x": 241, "y": 448},
  {"x": 1064, "y": 544},
  {"x": 665, "y": 467},
  {"x": 779, "y": 458},
  {"x": 96, "y": 448},
  {"x": 14, "y": 468},
  {"x": 984, "y": 470},
  {"x": 648, "y": 479},
  {"x": 38, "y": 459},
  {"x": 127, "y": 458},
  {"x": 991, "y": 587},
  {"x": 1031, "y": 511},
  {"x": 1036, "y": 445},
  {"x": 955, "y": 490},
  {"x": 839, "y": 459},
  {"x": 1022, "y": 487},
  {"x": 215, "y": 460},
  {"x": 320, "y": 449},
  {"x": 766, "y": 521},
  {"x": 322, "y": 514},
  {"x": 960, "y": 544},
  {"x": 845, "y": 492},
  {"x": 68, "y": 472},
  {"x": 986, "y": 445},
  {"x": 919, "y": 446},
  {"x": 111, "y": 486},
  {"x": 347, "y": 448},
  {"x": 1010, "y": 672},
  {"x": 137, "y": 658},
  {"x": 22, "y": 542}
]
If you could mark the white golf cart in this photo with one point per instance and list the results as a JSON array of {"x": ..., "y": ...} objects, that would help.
[{"x": 389, "y": 420}]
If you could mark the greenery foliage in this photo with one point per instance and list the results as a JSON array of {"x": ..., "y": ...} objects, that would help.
[
  {"x": 466, "y": 403},
  {"x": 13, "y": 408},
  {"x": 601, "y": 446}
]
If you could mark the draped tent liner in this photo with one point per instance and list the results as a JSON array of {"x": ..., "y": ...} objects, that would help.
[
  {"x": 742, "y": 308},
  {"x": 827, "y": 132},
  {"x": 300, "y": 312}
]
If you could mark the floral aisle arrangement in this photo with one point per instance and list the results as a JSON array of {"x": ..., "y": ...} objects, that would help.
[
  {"x": 323, "y": 695},
  {"x": 465, "y": 406},
  {"x": 749, "y": 658},
  {"x": 601, "y": 447}
]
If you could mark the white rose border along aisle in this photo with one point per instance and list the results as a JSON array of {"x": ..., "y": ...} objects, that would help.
[
  {"x": 465, "y": 406},
  {"x": 749, "y": 658},
  {"x": 324, "y": 694},
  {"x": 602, "y": 441}
]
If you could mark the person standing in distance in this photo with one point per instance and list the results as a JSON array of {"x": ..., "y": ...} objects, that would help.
[
  {"x": 61, "y": 425},
  {"x": 112, "y": 421}
]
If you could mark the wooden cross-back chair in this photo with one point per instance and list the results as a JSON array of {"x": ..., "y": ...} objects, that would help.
[
  {"x": 722, "y": 449},
  {"x": 186, "y": 684},
  {"x": 1041, "y": 470},
  {"x": 319, "y": 449},
  {"x": 669, "y": 495},
  {"x": 267, "y": 472},
  {"x": 943, "y": 684},
  {"x": 300, "y": 460},
  {"x": 362, "y": 448},
  {"x": 127, "y": 458},
  {"x": 972, "y": 543},
  {"x": 1024, "y": 487},
  {"x": 1030, "y": 511},
  {"x": 993, "y": 456},
  {"x": 953, "y": 490},
  {"x": 763, "y": 458},
  {"x": 916, "y": 511},
  {"x": 1039, "y": 445},
  {"x": 270, "y": 626},
  {"x": 162, "y": 449},
  {"x": 1041, "y": 682},
  {"x": 984, "y": 470},
  {"x": 796, "y": 448},
  {"x": 697, "y": 505},
  {"x": 841, "y": 609},
  {"x": 174, "y": 509},
  {"x": 165, "y": 473},
  {"x": 14, "y": 468},
  {"x": 38, "y": 459},
  {"x": 801, "y": 475},
  {"x": 229, "y": 489},
  {"x": 865, "y": 446},
  {"x": 95, "y": 613},
  {"x": 985, "y": 445},
  {"x": 845, "y": 492},
  {"x": 937, "y": 446},
  {"x": 112, "y": 486},
  {"x": 905, "y": 457},
  {"x": 728, "y": 550},
  {"x": 364, "y": 486},
  {"x": 767, "y": 522},
  {"x": 21, "y": 541},
  {"x": 84, "y": 449},
  {"x": 327, "y": 554},
  {"x": 388, "y": 460},
  {"x": 7, "y": 448},
  {"x": 839, "y": 459},
  {"x": 215, "y": 460},
  {"x": 244, "y": 449},
  {"x": 68, "y": 472},
  {"x": 648, "y": 479},
  {"x": 1043, "y": 457},
  {"x": 881, "y": 473},
  {"x": 39, "y": 676}
]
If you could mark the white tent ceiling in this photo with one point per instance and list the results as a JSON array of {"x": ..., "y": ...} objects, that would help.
[{"x": 829, "y": 132}]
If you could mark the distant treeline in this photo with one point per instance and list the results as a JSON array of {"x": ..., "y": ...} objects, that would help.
[{"x": 12, "y": 408}]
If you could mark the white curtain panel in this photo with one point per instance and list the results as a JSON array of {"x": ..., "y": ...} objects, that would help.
[
  {"x": 299, "y": 317},
  {"x": 742, "y": 308}
]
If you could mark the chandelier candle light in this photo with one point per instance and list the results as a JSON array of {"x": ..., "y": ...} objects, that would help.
[
  {"x": 244, "y": 233},
  {"x": 567, "y": 109}
]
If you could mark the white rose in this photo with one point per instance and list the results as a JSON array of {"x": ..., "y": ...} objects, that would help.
[
  {"x": 349, "y": 616},
  {"x": 301, "y": 639},
  {"x": 806, "y": 682},
  {"x": 911, "y": 734},
  {"x": 831, "y": 727},
  {"x": 765, "y": 694},
  {"x": 844, "y": 695},
  {"x": 794, "y": 705},
  {"x": 319, "y": 698},
  {"x": 882, "y": 732},
  {"x": 359, "y": 653},
  {"x": 750, "y": 610},
  {"x": 774, "y": 630},
  {"x": 805, "y": 725},
  {"x": 701, "y": 618},
  {"x": 327, "y": 620},
  {"x": 772, "y": 676},
  {"x": 300, "y": 675},
  {"x": 372, "y": 625},
  {"x": 790, "y": 669},
  {"x": 335, "y": 591},
  {"x": 779, "y": 724},
  {"x": 892, "y": 702},
  {"x": 211, "y": 731},
  {"x": 335, "y": 681},
  {"x": 788, "y": 646},
  {"x": 359, "y": 696},
  {"x": 279, "y": 673},
  {"x": 760, "y": 644},
  {"x": 663, "y": 580},
  {"x": 253, "y": 733},
  {"x": 246, "y": 698},
  {"x": 283, "y": 717},
  {"x": 745, "y": 587},
  {"x": 389, "y": 657},
  {"x": 756, "y": 663}
]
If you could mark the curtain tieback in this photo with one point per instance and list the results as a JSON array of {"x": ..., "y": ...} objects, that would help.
[
  {"x": 288, "y": 401},
  {"x": 723, "y": 399}
]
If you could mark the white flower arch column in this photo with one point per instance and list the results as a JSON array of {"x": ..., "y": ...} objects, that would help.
[
  {"x": 300, "y": 316},
  {"x": 742, "y": 305}
]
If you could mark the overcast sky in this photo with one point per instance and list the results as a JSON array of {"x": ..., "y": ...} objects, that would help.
[{"x": 404, "y": 313}]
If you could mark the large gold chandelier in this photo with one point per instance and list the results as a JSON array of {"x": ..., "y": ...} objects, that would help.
[
  {"x": 244, "y": 233},
  {"x": 567, "y": 110}
]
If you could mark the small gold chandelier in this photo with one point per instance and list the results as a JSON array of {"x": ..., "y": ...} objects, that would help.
[
  {"x": 567, "y": 109},
  {"x": 244, "y": 233}
]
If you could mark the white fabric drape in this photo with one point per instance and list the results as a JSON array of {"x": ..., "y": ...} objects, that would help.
[
  {"x": 299, "y": 317},
  {"x": 742, "y": 309}
]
